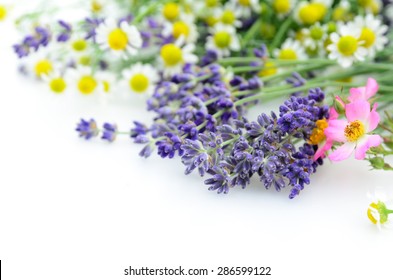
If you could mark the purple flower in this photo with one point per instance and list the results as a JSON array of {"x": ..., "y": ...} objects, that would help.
[
  {"x": 65, "y": 34},
  {"x": 109, "y": 132},
  {"x": 87, "y": 129}
]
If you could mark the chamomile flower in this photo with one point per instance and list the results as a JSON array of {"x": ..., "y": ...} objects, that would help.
[
  {"x": 183, "y": 27},
  {"x": 372, "y": 6},
  {"x": 372, "y": 33},
  {"x": 223, "y": 40},
  {"x": 379, "y": 209},
  {"x": 283, "y": 7},
  {"x": 342, "y": 12},
  {"x": 56, "y": 82},
  {"x": 346, "y": 47},
  {"x": 40, "y": 63},
  {"x": 314, "y": 37},
  {"x": 121, "y": 39},
  {"x": 85, "y": 81},
  {"x": 309, "y": 13},
  {"x": 78, "y": 46},
  {"x": 141, "y": 79},
  {"x": 173, "y": 56},
  {"x": 290, "y": 49},
  {"x": 246, "y": 7},
  {"x": 229, "y": 15}
]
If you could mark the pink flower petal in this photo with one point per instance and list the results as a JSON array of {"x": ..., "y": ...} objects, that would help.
[
  {"x": 335, "y": 130},
  {"x": 371, "y": 88},
  {"x": 357, "y": 94},
  {"x": 326, "y": 146},
  {"x": 358, "y": 110},
  {"x": 374, "y": 118},
  {"x": 365, "y": 144},
  {"x": 333, "y": 114},
  {"x": 343, "y": 152}
]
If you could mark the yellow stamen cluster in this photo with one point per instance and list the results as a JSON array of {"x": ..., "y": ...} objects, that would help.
[
  {"x": 3, "y": 12},
  {"x": 312, "y": 13},
  {"x": 171, "y": 11},
  {"x": 180, "y": 28},
  {"x": 171, "y": 54},
  {"x": 245, "y": 3},
  {"x": 287, "y": 54},
  {"x": 228, "y": 17},
  {"x": 79, "y": 45},
  {"x": 269, "y": 69},
  {"x": 222, "y": 39},
  {"x": 57, "y": 85},
  {"x": 43, "y": 67},
  {"x": 211, "y": 3},
  {"x": 282, "y": 6},
  {"x": 377, "y": 212},
  {"x": 318, "y": 133},
  {"x": 139, "y": 83},
  {"x": 354, "y": 130},
  {"x": 96, "y": 6},
  {"x": 117, "y": 40},
  {"x": 87, "y": 85},
  {"x": 347, "y": 45},
  {"x": 367, "y": 37}
]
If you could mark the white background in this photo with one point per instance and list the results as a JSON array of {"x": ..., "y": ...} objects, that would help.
[{"x": 71, "y": 209}]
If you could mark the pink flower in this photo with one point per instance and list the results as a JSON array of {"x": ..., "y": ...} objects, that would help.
[
  {"x": 354, "y": 132},
  {"x": 325, "y": 144},
  {"x": 364, "y": 93}
]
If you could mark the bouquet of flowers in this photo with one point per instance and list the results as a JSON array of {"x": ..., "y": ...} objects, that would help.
[{"x": 202, "y": 64}]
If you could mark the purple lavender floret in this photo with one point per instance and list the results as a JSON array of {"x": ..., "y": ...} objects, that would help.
[
  {"x": 87, "y": 129},
  {"x": 91, "y": 25},
  {"x": 65, "y": 34},
  {"x": 40, "y": 38},
  {"x": 109, "y": 132}
]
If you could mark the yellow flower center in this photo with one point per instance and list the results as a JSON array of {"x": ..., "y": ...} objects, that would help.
[
  {"x": 354, "y": 131},
  {"x": 268, "y": 30},
  {"x": 180, "y": 28},
  {"x": 339, "y": 14},
  {"x": 79, "y": 45},
  {"x": 139, "y": 83},
  {"x": 368, "y": 37},
  {"x": 43, "y": 67},
  {"x": 96, "y": 7},
  {"x": 228, "y": 17},
  {"x": 106, "y": 85},
  {"x": 85, "y": 60},
  {"x": 347, "y": 45},
  {"x": 269, "y": 69},
  {"x": 282, "y": 6},
  {"x": 211, "y": 3},
  {"x": 365, "y": 3},
  {"x": 117, "y": 40},
  {"x": 171, "y": 11},
  {"x": 316, "y": 33},
  {"x": 57, "y": 85},
  {"x": 3, "y": 12},
  {"x": 245, "y": 2},
  {"x": 222, "y": 39},
  {"x": 312, "y": 13},
  {"x": 171, "y": 54},
  {"x": 287, "y": 54},
  {"x": 211, "y": 20},
  {"x": 318, "y": 133},
  {"x": 87, "y": 85}
]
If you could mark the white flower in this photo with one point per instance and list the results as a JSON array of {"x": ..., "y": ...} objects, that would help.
[
  {"x": 346, "y": 47},
  {"x": 283, "y": 7},
  {"x": 372, "y": 33},
  {"x": 56, "y": 82},
  {"x": 40, "y": 63},
  {"x": 84, "y": 80},
  {"x": 314, "y": 37},
  {"x": 245, "y": 7},
  {"x": 223, "y": 40},
  {"x": 121, "y": 40},
  {"x": 183, "y": 27},
  {"x": 380, "y": 208},
  {"x": 290, "y": 49},
  {"x": 229, "y": 15},
  {"x": 173, "y": 56},
  {"x": 141, "y": 79}
]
